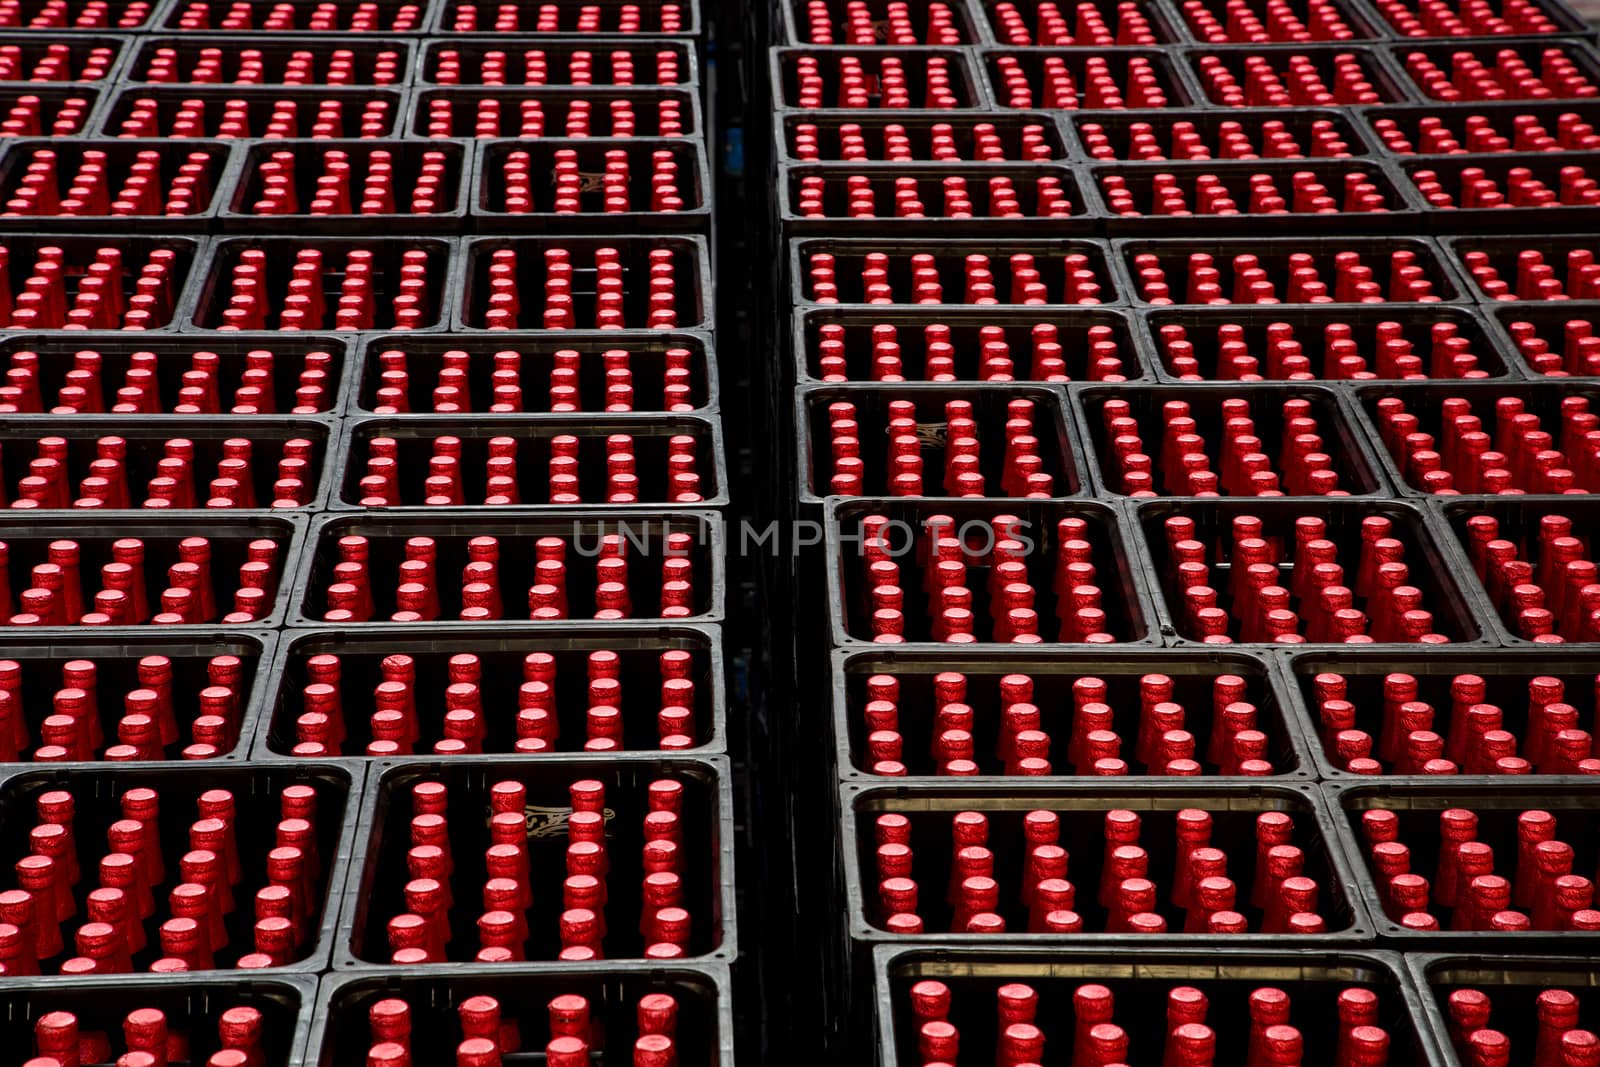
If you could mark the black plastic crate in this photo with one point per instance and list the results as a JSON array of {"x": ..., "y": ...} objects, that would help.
[
  {"x": 1042, "y": 433},
  {"x": 1322, "y": 198},
  {"x": 175, "y": 191},
  {"x": 1144, "y": 990},
  {"x": 29, "y": 57},
  {"x": 812, "y": 78},
  {"x": 1506, "y": 993},
  {"x": 76, "y": 15},
  {"x": 348, "y": 186},
  {"x": 1527, "y": 268},
  {"x": 1517, "y": 18},
  {"x": 1459, "y": 72},
  {"x": 280, "y": 374},
  {"x": 195, "y": 1009},
  {"x": 1382, "y": 270},
  {"x": 703, "y": 859},
  {"x": 837, "y": 345},
  {"x": 659, "y": 185},
  {"x": 225, "y": 679},
  {"x": 652, "y": 541},
  {"x": 249, "y": 60},
  {"x": 1431, "y": 575},
  {"x": 1052, "y": 693},
  {"x": 230, "y": 540},
  {"x": 145, "y": 294},
  {"x": 1551, "y": 340},
  {"x": 296, "y": 16},
  {"x": 701, "y": 1011},
  {"x": 1157, "y": 136},
  {"x": 1100, "y": 23},
  {"x": 1505, "y": 579},
  {"x": 1085, "y": 80},
  {"x": 885, "y": 138},
  {"x": 223, "y": 465},
  {"x": 910, "y": 272},
  {"x": 945, "y": 23},
  {"x": 229, "y": 114},
  {"x": 1258, "y": 23},
  {"x": 1303, "y": 76},
  {"x": 1451, "y": 683},
  {"x": 408, "y": 284},
  {"x": 1415, "y": 818},
  {"x": 1485, "y": 128},
  {"x": 1493, "y": 194},
  {"x": 933, "y": 200},
  {"x": 1105, "y": 602},
  {"x": 933, "y": 822},
  {"x": 1309, "y": 343},
  {"x": 510, "y": 374},
  {"x": 368, "y": 675},
  {"x": 42, "y": 111},
  {"x": 636, "y": 300},
  {"x": 100, "y": 814},
  {"x": 1334, "y": 462},
  {"x": 612, "y": 20},
  {"x": 551, "y": 462},
  {"x": 488, "y": 112},
  {"x": 558, "y": 63},
  {"x": 1445, "y": 460}
]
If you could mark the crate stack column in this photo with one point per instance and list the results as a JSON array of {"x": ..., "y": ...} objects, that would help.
[{"x": 1167, "y": 377}]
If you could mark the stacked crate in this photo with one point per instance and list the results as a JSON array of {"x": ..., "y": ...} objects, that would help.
[
  {"x": 1157, "y": 327},
  {"x": 402, "y": 314}
]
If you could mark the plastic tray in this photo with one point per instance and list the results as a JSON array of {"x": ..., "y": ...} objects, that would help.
[
  {"x": 1423, "y": 401},
  {"x": 1497, "y": 806},
  {"x": 800, "y": 24},
  {"x": 200, "y": 16},
  {"x": 1342, "y": 441},
  {"x": 1162, "y": 27},
  {"x": 1545, "y": 167},
  {"x": 175, "y": 356},
  {"x": 1114, "y": 131},
  {"x": 951, "y": 258},
  {"x": 256, "y": 791},
  {"x": 1053, "y": 675},
  {"x": 1273, "y": 255},
  {"x": 1562, "y": 19},
  {"x": 1506, "y": 675},
  {"x": 691, "y": 268},
  {"x": 29, "y": 540},
  {"x": 119, "y": 158},
  {"x": 1127, "y": 613},
  {"x": 416, "y": 439},
  {"x": 116, "y": 662},
  {"x": 1057, "y": 438},
  {"x": 693, "y": 184},
  {"x": 378, "y": 870},
  {"x": 529, "y": 17},
  {"x": 30, "y": 48},
  {"x": 639, "y": 648},
  {"x": 46, "y": 111},
  {"x": 1513, "y": 983},
  {"x": 1382, "y": 85},
  {"x": 558, "y": 56},
  {"x": 80, "y": 250},
  {"x": 209, "y": 296},
  {"x": 101, "y": 1004},
  {"x": 1324, "y": 26},
  {"x": 1140, "y": 984},
  {"x": 1431, "y": 569},
  {"x": 918, "y": 131},
  {"x": 704, "y": 993},
  {"x": 146, "y": 439},
  {"x": 1082, "y": 807},
  {"x": 1309, "y": 323},
  {"x": 375, "y": 62},
  {"x": 1549, "y": 321},
  {"x": 387, "y": 535},
  {"x": 1174, "y": 90},
  {"x": 1454, "y": 120},
  {"x": 1503, "y": 253},
  {"x": 931, "y": 184},
  {"x": 80, "y": 15},
  {"x": 556, "y": 106},
  {"x": 1072, "y": 326},
  {"x": 425, "y": 358},
  {"x": 380, "y": 107},
  {"x": 1530, "y": 51},
  {"x": 964, "y": 83},
  {"x": 238, "y": 212}
]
